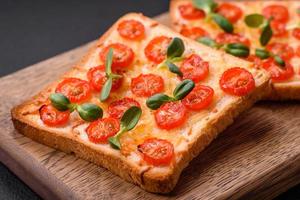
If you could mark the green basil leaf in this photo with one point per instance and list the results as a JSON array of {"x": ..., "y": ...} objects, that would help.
[
  {"x": 298, "y": 11},
  {"x": 106, "y": 89},
  {"x": 207, "y": 41},
  {"x": 130, "y": 118},
  {"x": 207, "y": 5},
  {"x": 173, "y": 68},
  {"x": 114, "y": 142},
  {"x": 238, "y": 52},
  {"x": 176, "y": 59},
  {"x": 237, "y": 49},
  {"x": 89, "y": 112},
  {"x": 237, "y": 46},
  {"x": 108, "y": 61},
  {"x": 279, "y": 61},
  {"x": 266, "y": 35},
  {"x": 254, "y": 20},
  {"x": 128, "y": 121},
  {"x": 175, "y": 48},
  {"x": 60, "y": 101},
  {"x": 261, "y": 53},
  {"x": 183, "y": 89},
  {"x": 155, "y": 101},
  {"x": 222, "y": 22}
]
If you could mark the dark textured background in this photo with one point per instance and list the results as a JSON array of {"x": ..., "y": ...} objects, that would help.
[{"x": 34, "y": 30}]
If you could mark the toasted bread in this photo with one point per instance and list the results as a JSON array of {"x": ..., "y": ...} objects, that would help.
[
  {"x": 189, "y": 139},
  {"x": 288, "y": 89}
]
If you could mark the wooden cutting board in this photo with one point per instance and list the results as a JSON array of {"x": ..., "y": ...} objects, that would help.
[{"x": 257, "y": 157}]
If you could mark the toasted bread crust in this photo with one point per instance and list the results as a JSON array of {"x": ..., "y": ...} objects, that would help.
[{"x": 152, "y": 182}]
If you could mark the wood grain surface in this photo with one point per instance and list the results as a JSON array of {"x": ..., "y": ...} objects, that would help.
[{"x": 258, "y": 157}]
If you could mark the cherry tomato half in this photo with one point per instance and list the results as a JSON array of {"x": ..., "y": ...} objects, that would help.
[
  {"x": 298, "y": 51},
  {"x": 189, "y": 12},
  {"x": 75, "y": 89},
  {"x": 157, "y": 151},
  {"x": 237, "y": 81},
  {"x": 283, "y": 50},
  {"x": 230, "y": 11},
  {"x": 53, "y": 117},
  {"x": 199, "y": 98},
  {"x": 156, "y": 50},
  {"x": 279, "y": 29},
  {"x": 277, "y": 73},
  {"x": 146, "y": 85},
  {"x": 97, "y": 78},
  {"x": 194, "y": 32},
  {"x": 296, "y": 33},
  {"x": 170, "y": 115},
  {"x": 194, "y": 68},
  {"x": 100, "y": 130},
  {"x": 131, "y": 29},
  {"x": 117, "y": 108},
  {"x": 280, "y": 13},
  {"x": 122, "y": 55},
  {"x": 228, "y": 38}
]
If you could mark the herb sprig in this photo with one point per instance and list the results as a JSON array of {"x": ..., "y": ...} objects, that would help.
[
  {"x": 209, "y": 7},
  {"x": 87, "y": 111},
  {"x": 110, "y": 76},
  {"x": 181, "y": 91},
  {"x": 259, "y": 21},
  {"x": 128, "y": 121},
  {"x": 236, "y": 49},
  {"x": 264, "y": 54},
  {"x": 174, "y": 54}
]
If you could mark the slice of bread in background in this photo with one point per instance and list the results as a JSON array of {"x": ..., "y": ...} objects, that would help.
[{"x": 286, "y": 90}]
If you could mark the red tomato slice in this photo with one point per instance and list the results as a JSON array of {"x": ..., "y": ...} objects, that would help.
[
  {"x": 237, "y": 81},
  {"x": 228, "y": 38},
  {"x": 193, "y": 33},
  {"x": 277, "y": 73},
  {"x": 97, "y": 78},
  {"x": 75, "y": 89},
  {"x": 189, "y": 12},
  {"x": 146, "y": 85},
  {"x": 284, "y": 50},
  {"x": 117, "y": 108},
  {"x": 279, "y": 29},
  {"x": 200, "y": 98},
  {"x": 296, "y": 33},
  {"x": 194, "y": 68},
  {"x": 156, "y": 50},
  {"x": 131, "y": 29},
  {"x": 122, "y": 57},
  {"x": 100, "y": 130},
  {"x": 157, "y": 152},
  {"x": 230, "y": 11},
  {"x": 280, "y": 13},
  {"x": 170, "y": 115},
  {"x": 255, "y": 60},
  {"x": 298, "y": 51},
  {"x": 53, "y": 117}
]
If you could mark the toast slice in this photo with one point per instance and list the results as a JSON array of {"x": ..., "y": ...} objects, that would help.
[
  {"x": 188, "y": 139},
  {"x": 287, "y": 89}
]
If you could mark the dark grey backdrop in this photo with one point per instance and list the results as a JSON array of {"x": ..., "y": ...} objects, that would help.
[{"x": 34, "y": 30}]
